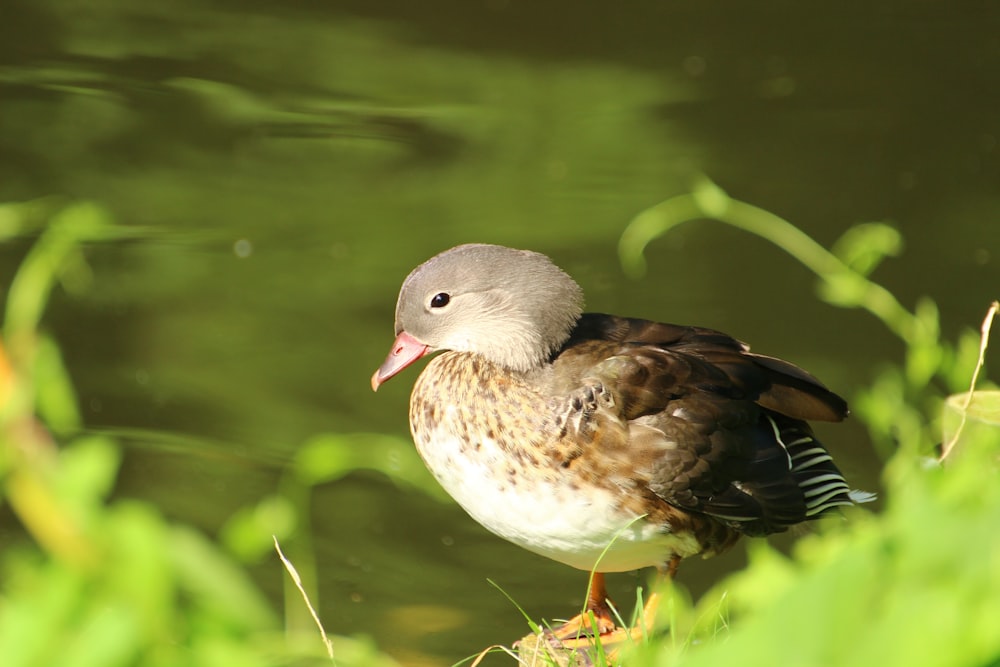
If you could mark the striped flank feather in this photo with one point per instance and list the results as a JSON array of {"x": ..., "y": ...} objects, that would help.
[{"x": 823, "y": 486}]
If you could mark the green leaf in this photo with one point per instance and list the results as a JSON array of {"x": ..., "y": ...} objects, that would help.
[
  {"x": 960, "y": 360},
  {"x": 864, "y": 246},
  {"x": 221, "y": 589},
  {"x": 249, "y": 533},
  {"x": 30, "y": 289},
  {"x": 87, "y": 471},
  {"x": 137, "y": 569},
  {"x": 329, "y": 457},
  {"x": 925, "y": 352},
  {"x": 55, "y": 398},
  {"x": 981, "y": 422},
  {"x": 107, "y": 637}
]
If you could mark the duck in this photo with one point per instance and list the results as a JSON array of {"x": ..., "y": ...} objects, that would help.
[{"x": 605, "y": 443}]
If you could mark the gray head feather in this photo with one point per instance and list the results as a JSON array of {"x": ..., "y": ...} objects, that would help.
[{"x": 513, "y": 307}]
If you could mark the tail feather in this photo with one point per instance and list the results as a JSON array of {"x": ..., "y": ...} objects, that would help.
[
  {"x": 816, "y": 486},
  {"x": 823, "y": 486}
]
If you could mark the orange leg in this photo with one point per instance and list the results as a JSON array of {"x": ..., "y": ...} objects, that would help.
[{"x": 597, "y": 602}]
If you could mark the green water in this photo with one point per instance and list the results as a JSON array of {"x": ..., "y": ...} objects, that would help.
[{"x": 284, "y": 165}]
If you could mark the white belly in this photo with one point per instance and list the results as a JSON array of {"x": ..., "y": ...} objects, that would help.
[{"x": 578, "y": 527}]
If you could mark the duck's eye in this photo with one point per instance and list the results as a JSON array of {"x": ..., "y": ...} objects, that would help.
[{"x": 440, "y": 300}]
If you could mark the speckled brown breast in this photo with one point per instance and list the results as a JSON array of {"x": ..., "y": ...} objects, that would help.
[{"x": 536, "y": 468}]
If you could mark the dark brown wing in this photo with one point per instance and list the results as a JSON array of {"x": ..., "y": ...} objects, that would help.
[
  {"x": 718, "y": 430},
  {"x": 670, "y": 357}
]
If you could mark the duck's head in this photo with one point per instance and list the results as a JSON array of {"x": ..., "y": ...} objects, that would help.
[{"x": 512, "y": 307}]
